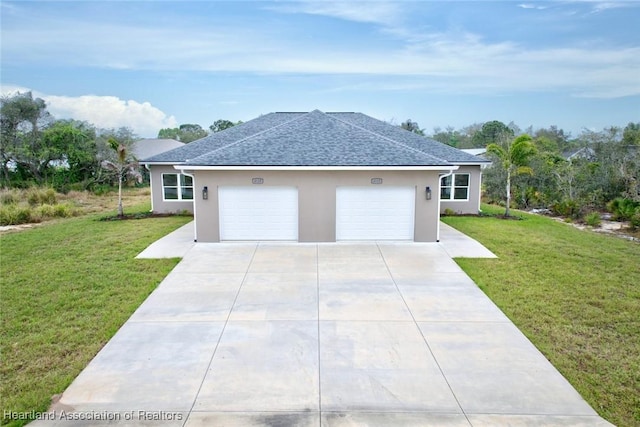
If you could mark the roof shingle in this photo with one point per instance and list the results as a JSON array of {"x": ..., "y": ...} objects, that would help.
[{"x": 315, "y": 139}]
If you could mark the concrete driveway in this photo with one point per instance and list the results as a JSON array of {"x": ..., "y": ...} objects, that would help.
[{"x": 363, "y": 334}]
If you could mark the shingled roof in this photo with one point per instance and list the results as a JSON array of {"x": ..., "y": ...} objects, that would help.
[{"x": 315, "y": 139}]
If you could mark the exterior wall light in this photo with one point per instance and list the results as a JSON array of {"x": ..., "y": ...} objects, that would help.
[
  {"x": 428, "y": 192},
  {"x": 205, "y": 193}
]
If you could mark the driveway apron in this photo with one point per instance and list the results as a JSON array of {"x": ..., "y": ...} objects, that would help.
[{"x": 335, "y": 334}]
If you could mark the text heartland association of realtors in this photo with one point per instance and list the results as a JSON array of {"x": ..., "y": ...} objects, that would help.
[{"x": 93, "y": 416}]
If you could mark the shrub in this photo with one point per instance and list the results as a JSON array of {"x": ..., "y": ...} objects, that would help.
[
  {"x": 9, "y": 197},
  {"x": 635, "y": 219},
  {"x": 593, "y": 219},
  {"x": 48, "y": 196},
  {"x": 449, "y": 212},
  {"x": 64, "y": 211},
  {"x": 40, "y": 196},
  {"x": 45, "y": 211},
  {"x": 5, "y": 218},
  {"x": 15, "y": 214},
  {"x": 567, "y": 208},
  {"x": 33, "y": 196},
  {"x": 622, "y": 209}
]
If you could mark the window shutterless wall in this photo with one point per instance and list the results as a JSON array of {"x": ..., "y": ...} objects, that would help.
[
  {"x": 177, "y": 186},
  {"x": 469, "y": 205},
  {"x": 160, "y": 204}
]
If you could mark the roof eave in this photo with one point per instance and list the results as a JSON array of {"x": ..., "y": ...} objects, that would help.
[
  {"x": 474, "y": 163},
  {"x": 314, "y": 168},
  {"x": 169, "y": 163}
]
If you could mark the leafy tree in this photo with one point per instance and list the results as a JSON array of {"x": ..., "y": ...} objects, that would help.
[
  {"x": 169, "y": 133},
  {"x": 22, "y": 119},
  {"x": 222, "y": 124},
  {"x": 492, "y": 132},
  {"x": 185, "y": 133},
  {"x": 73, "y": 143},
  {"x": 513, "y": 158},
  {"x": 552, "y": 139},
  {"x": 191, "y": 132},
  {"x": 412, "y": 127},
  {"x": 451, "y": 137},
  {"x": 124, "y": 167},
  {"x": 631, "y": 134}
]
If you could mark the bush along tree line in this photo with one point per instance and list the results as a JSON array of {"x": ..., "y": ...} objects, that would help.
[
  {"x": 548, "y": 169},
  {"x": 37, "y": 149}
]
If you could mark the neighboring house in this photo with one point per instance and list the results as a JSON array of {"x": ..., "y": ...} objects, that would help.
[
  {"x": 150, "y": 147},
  {"x": 475, "y": 151},
  {"x": 586, "y": 153},
  {"x": 480, "y": 152},
  {"x": 315, "y": 177}
]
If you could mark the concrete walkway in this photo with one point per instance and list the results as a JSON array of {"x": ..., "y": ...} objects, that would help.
[
  {"x": 286, "y": 334},
  {"x": 179, "y": 242}
]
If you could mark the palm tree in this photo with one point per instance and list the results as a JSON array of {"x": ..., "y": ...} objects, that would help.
[
  {"x": 123, "y": 167},
  {"x": 514, "y": 159}
]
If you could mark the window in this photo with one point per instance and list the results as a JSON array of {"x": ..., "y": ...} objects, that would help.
[
  {"x": 176, "y": 186},
  {"x": 455, "y": 187}
]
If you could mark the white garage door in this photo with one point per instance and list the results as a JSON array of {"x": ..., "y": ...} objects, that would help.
[
  {"x": 375, "y": 213},
  {"x": 258, "y": 213}
]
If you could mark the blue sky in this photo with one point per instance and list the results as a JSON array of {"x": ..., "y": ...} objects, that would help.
[{"x": 154, "y": 64}]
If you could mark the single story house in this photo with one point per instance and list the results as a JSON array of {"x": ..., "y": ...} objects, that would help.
[{"x": 315, "y": 177}]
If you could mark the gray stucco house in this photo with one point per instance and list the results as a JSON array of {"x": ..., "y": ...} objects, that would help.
[{"x": 315, "y": 177}]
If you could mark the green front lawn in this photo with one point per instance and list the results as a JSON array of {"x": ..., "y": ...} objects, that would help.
[
  {"x": 575, "y": 294},
  {"x": 66, "y": 288}
]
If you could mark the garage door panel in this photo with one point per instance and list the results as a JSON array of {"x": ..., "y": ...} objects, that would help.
[
  {"x": 380, "y": 213},
  {"x": 258, "y": 213}
]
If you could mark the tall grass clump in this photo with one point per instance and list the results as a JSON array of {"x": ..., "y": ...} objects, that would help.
[
  {"x": 41, "y": 196},
  {"x": 593, "y": 219},
  {"x": 32, "y": 205}
]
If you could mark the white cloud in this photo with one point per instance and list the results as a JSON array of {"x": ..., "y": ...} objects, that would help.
[
  {"x": 377, "y": 12},
  {"x": 532, "y": 6},
  {"x": 104, "y": 111},
  {"x": 452, "y": 60},
  {"x": 112, "y": 112}
]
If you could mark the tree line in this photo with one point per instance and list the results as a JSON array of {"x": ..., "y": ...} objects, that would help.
[
  {"x": 544, "y": 168},
  {"x": 190, "y": 132},
  {"x": 548, "y": 168},
  {"x": 38, "y": 149}
]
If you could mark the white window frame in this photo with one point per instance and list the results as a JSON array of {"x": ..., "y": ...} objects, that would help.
[
  {"x": 180, "y": 187},
  {"x": 453, "y": 187}
]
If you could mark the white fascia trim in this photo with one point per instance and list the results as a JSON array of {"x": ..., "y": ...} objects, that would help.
[
  {"x": 147, "y": 164},
  {"x": 318, "y": 168}
]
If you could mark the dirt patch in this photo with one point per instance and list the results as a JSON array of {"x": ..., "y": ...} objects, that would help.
[
  {"x": 20, "y": 227},
  {"x": 616, "y": 228}
]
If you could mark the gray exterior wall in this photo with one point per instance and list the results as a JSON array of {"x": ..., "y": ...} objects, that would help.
[
  {"x": 471, "y": 206},
  {"x": 316, "y": 198},
  {"x": 158, "y": 205}
]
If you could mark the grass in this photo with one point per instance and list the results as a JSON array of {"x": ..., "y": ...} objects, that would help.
[
  {"x": 575, "y": 294},
  {"x": 67, "y": 286},
  {"x": 37, "y": 204}
]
